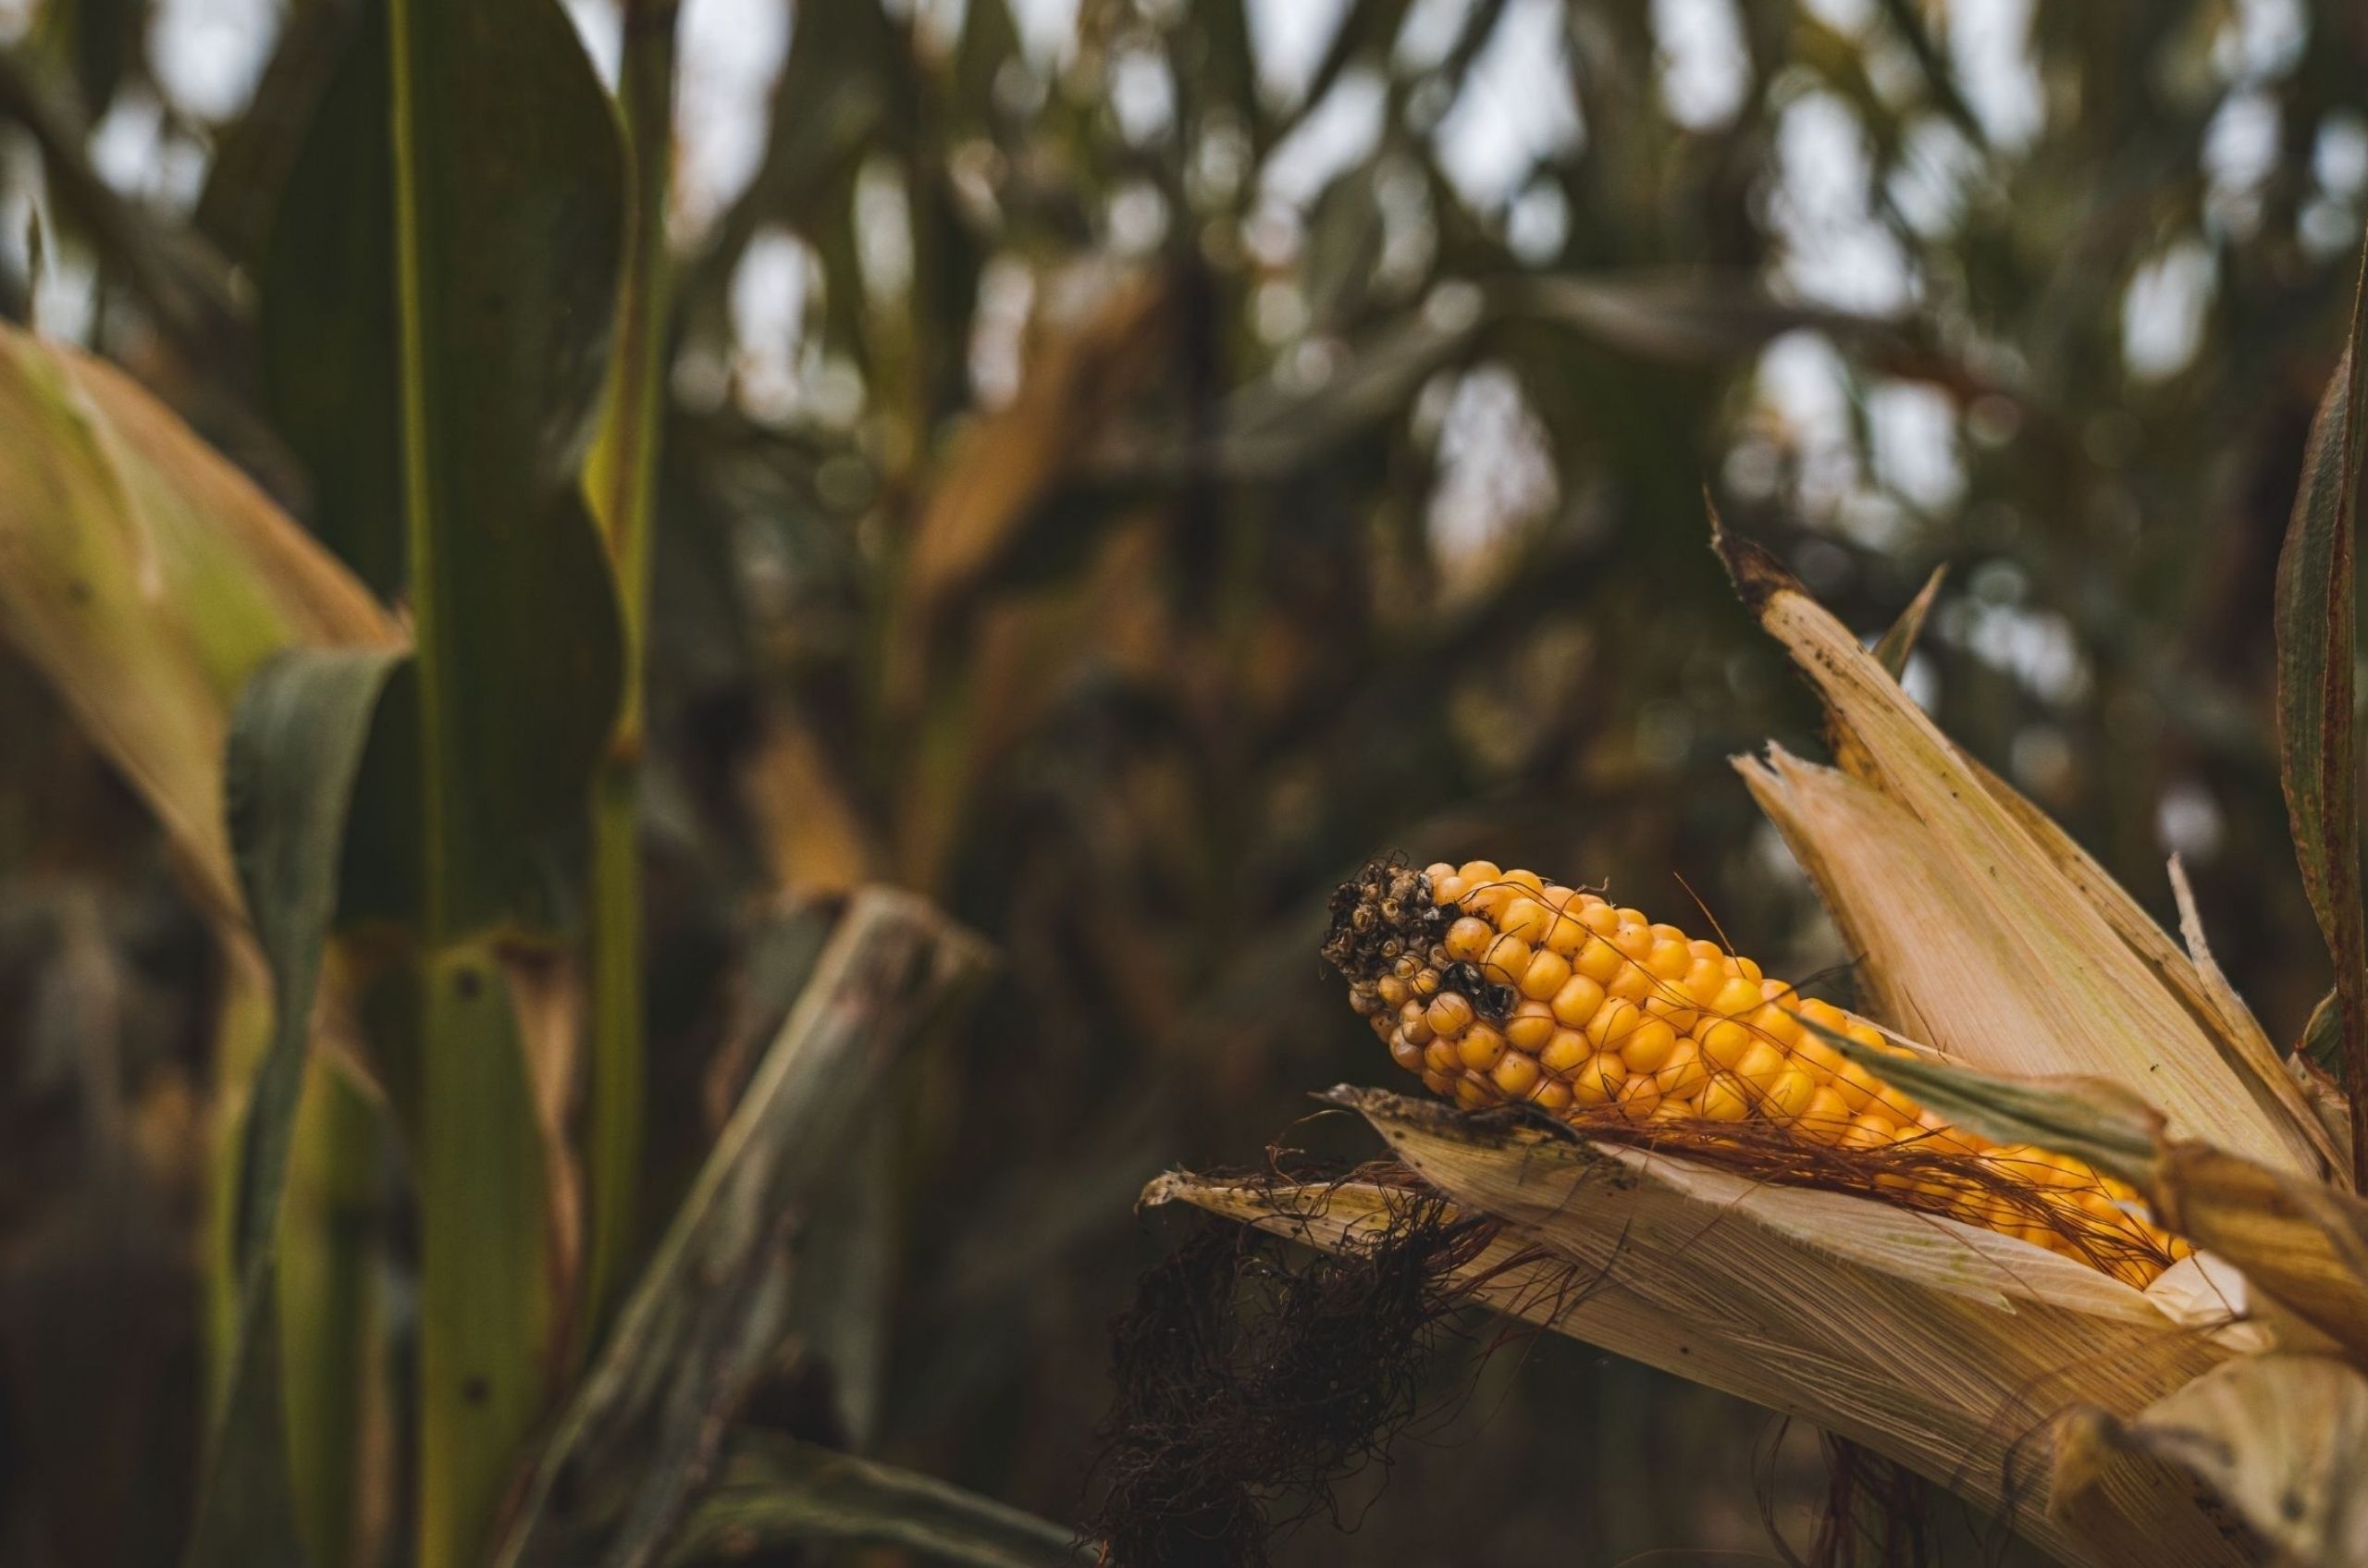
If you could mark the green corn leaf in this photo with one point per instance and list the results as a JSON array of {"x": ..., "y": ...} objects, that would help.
[
  {"x": 2318, "y": 753},
  {"x": 296, "y": 743}
]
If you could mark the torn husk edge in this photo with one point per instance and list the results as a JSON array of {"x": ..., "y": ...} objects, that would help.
[{"x": 1984, "y": 929}]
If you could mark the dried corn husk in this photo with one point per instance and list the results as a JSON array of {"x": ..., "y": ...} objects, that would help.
[
  {"x": 2282, "y": 1439},
  {"x": 1985, "y": 932},
  {"x": 1944, "y": 1345}
]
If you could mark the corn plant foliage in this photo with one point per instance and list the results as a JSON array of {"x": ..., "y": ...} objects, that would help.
[
  {"x": 2317, "y": 621},
  {"x": 325, "y": 333},
  {"x": 640, "y": 1435},
  {"x": 439, "y": 286},
  {"x": 296, "y": 742},
  {"x": 147, "y": 578}
]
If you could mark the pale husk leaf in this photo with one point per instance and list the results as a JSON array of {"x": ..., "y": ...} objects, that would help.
[
  {"x": 2283, "y": 1440},
  {"x": 2300, "y": 1242},
  {"x": 1948, "y": 1347},
  {"x": 1984, "y": 929}
]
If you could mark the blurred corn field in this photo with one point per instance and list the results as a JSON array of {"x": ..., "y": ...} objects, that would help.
[{"x": 680, "y": 683}]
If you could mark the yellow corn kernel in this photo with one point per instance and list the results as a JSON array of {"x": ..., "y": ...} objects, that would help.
[
  {"x": 1827, "y": 1116},
  {"x": 1647, "y": 1048},
  {"x": 1479, "y": 1047},
  {"x": 1613, "y": 1024},
  {"x": 1506, "y": 961},
  {"x": 1817, "y": 1054},
  {"x": 1545, "y": 975},
  {"x": 1856, "y": 1085},
  {"x": 1448, "y": 1015},
  {"x": 1599, "y": 960},
  {"x": 1526, "y": 919},
  {"x": 1738, "y": 998},
  {"x": 1530, "y": 1026},
  {"x": 1721, "y": 1101},
  {"x": 1639, "y": 1098},
  {"x": 1871, "y": 1130},
  {"x": 1412, "y": 1018},
  {"x": 1760, "y": 1063},
  {"x": 1785, "y": 1030},
  {"x": 1634, "y": 982},
  {"x": 1468, "y": 938},
  {"x": 1566, "y": 934},
  {"x": 1725, "y": 1042},
  {"x": 1789, "y": 1092},
  {"x": 1669, "y": 960},
  {"x": 1565, "y": 1053},
  {"x": 1598, "y": 1079},
  {"x": 1683, "y": 1074},
  {"x": 1516, "y": 1074}
]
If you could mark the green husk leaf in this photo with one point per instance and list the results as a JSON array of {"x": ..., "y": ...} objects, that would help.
[
  {"x": 2302, "y": 1242},
  {"x": 2322, "y": 1035},
  {"x": 2090, "y": 1119},
  {"x": 2318, "y": 762}
]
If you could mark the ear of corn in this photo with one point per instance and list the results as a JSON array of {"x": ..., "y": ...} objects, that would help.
[{"x": 1495, "y": 986}]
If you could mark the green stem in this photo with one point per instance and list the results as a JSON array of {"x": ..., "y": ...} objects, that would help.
[
  {"x": 326, "y": 1307},
  {"x": 621, "y": 480},
  {"x": 419, "y": 496},
  {"x": 486, "y": 1310}
]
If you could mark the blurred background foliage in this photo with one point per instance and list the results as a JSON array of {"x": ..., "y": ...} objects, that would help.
[{"x": 1127, "y": 461}]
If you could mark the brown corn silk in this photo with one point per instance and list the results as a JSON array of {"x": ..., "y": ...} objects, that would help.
[{"x": 1496, "y": 986}]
